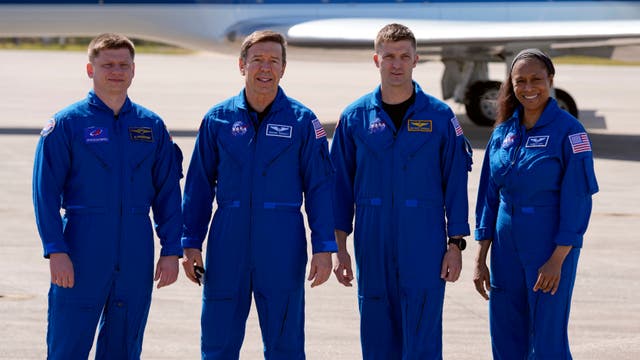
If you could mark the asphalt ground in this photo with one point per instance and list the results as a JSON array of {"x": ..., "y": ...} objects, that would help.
[{"x": 605, "y": 315}]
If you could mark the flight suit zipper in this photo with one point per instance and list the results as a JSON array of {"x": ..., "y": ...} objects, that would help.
[{"x": 119, "y": 185}]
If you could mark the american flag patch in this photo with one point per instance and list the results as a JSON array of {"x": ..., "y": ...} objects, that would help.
[
  {"x": 320, "y": 133},
  {"x": 456, "y": 126},
  {"x": 579, "y": 142}
]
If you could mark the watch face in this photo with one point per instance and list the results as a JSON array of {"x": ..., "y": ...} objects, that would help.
[{"x": 461, "y": 243}]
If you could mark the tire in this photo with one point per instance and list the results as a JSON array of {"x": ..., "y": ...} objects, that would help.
[
  {"x": 480, "y": 102},
  {"x": 566, "y": 102}
]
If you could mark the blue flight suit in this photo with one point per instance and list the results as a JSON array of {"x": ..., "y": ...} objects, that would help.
[
  {"x": 258, "y": 173},
  {"x": 409, "y": 187},
  {"x": 106, "y": 172},
  {"x": 535, "y": 193}
]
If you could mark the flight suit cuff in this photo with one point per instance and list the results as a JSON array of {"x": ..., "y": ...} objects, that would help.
[
  {"x": 483, "y": 234},
  {"x": 324, "y": 246},
  {"x": 344, "y": 226},
  {"x": 567, "y": 238},
  {"x": 458, "y": 229},
  {"x": 191, "y": 243},
  {"x": 171, "y": 250},
  {"x": 55, "y": 248}
]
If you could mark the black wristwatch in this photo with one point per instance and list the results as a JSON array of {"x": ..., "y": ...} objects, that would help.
[{"x": 461, "y": 243}]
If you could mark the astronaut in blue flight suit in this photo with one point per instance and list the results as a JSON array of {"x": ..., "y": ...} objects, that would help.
[
  {"x": 534, "y": 203},
  {"x": 257, "y": 154},
  {"x": 106, "y": 161},
  {"x": 402, "y": 160}
]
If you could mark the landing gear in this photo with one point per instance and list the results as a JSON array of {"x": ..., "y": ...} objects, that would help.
[
  {"x": 481, "y": 102},
  {"x": 566, "y": 102}
]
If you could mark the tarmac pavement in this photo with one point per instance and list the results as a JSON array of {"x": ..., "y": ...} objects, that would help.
[{"x": 605, "y": 316}]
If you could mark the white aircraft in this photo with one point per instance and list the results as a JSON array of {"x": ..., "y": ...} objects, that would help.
[{"x": 465, "y": 34}]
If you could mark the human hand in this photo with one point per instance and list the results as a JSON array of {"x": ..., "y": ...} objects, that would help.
[
  {"x": 482, "y": 279},
  {"x": 192, "y": 257},
  {"x": 342, "y": 268},
  {"x": 320, "y": 269},
  {"x": 61, "y": 269},
  {"x": 166, "y": 271},
  {"x": 550, "y": 272},
  {"x": 549, "y": 276},
  {"x": 451, "y": 264}
]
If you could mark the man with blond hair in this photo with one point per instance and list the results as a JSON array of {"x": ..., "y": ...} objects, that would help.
[
  {"x": 401, "y": 168},
  {"x": 106, "y": 161}
]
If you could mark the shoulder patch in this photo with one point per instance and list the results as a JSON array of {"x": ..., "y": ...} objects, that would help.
[
  {"x": 48, "y": 127},
  {"x": 317, "y": 127},
  {"x": 456, "y": 126},
  {"x": 579, "y": 142}
]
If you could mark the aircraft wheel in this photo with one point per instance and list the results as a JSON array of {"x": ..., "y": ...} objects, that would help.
[
  {"x": 566, "y": 102},
  {"x": 481, "y": 103}
]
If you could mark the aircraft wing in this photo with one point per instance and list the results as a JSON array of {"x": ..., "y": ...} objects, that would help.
[{"x": 361, "y": 32}]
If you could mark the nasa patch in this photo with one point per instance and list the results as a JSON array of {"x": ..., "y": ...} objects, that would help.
[
  {"x": 278, "y": 130},
  {"x": 239, "y": 128},
  {"x": 48, "y": 127},
  {"x": 509, "y": 140},
  {"x": 377, "y": 126},
  {"x": 537, "y": 141}
]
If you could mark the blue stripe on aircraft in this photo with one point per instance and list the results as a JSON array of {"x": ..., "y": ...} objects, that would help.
[{"x": 89, "y": 2}]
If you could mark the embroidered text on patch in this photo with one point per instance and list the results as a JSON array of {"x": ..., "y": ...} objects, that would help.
[
  {"x": 141, "y": 134},
  {"x": 419, "y": 125},
  {"x": 278, "y": 130},
  {"x": 320, "y": 133},
  {"x": 456, "y": 126},
  {"x": 537, "y": 141},
  {"x": 579, "y": 142}
]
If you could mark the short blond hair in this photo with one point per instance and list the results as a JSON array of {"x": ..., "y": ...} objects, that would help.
[
  {"x": 394, "y": 32},
  {"x": 110, "y": 41}
]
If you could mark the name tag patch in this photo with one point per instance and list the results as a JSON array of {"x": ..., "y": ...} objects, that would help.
[
  {"x": 141, "y": 134},
  {"x": 96, "y": 134},
  {"x": 419, "y": 125},
  {"x": 277, "y": 130},
  {"x": 537, "y": 141}
]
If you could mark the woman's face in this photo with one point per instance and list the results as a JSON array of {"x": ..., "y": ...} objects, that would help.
[{"x": 531, "y": 84}]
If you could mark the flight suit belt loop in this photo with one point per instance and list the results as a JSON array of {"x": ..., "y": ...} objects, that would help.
[{"x": 515, "y": 208}]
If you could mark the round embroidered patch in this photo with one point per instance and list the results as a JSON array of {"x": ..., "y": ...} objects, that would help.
[{"x": 48, "y": 127}]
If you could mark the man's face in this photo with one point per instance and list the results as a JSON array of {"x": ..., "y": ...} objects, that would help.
[
  {"x": 396, "y": 60},
  {"x": 112, "y": 71},
  {"x": 263, "y": 68}
]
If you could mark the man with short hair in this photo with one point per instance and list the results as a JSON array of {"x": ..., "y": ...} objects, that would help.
[
  {"x": 258, "y": 154},
  {"x": 401, "y": 167},
  {"x": 106, "y": 161}
]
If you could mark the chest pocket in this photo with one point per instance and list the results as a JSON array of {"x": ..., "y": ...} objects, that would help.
[
  {"x": 274, "y": 147},
  {"x": 141, "y": 154},
  {"x": 376, "y": 140}
]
